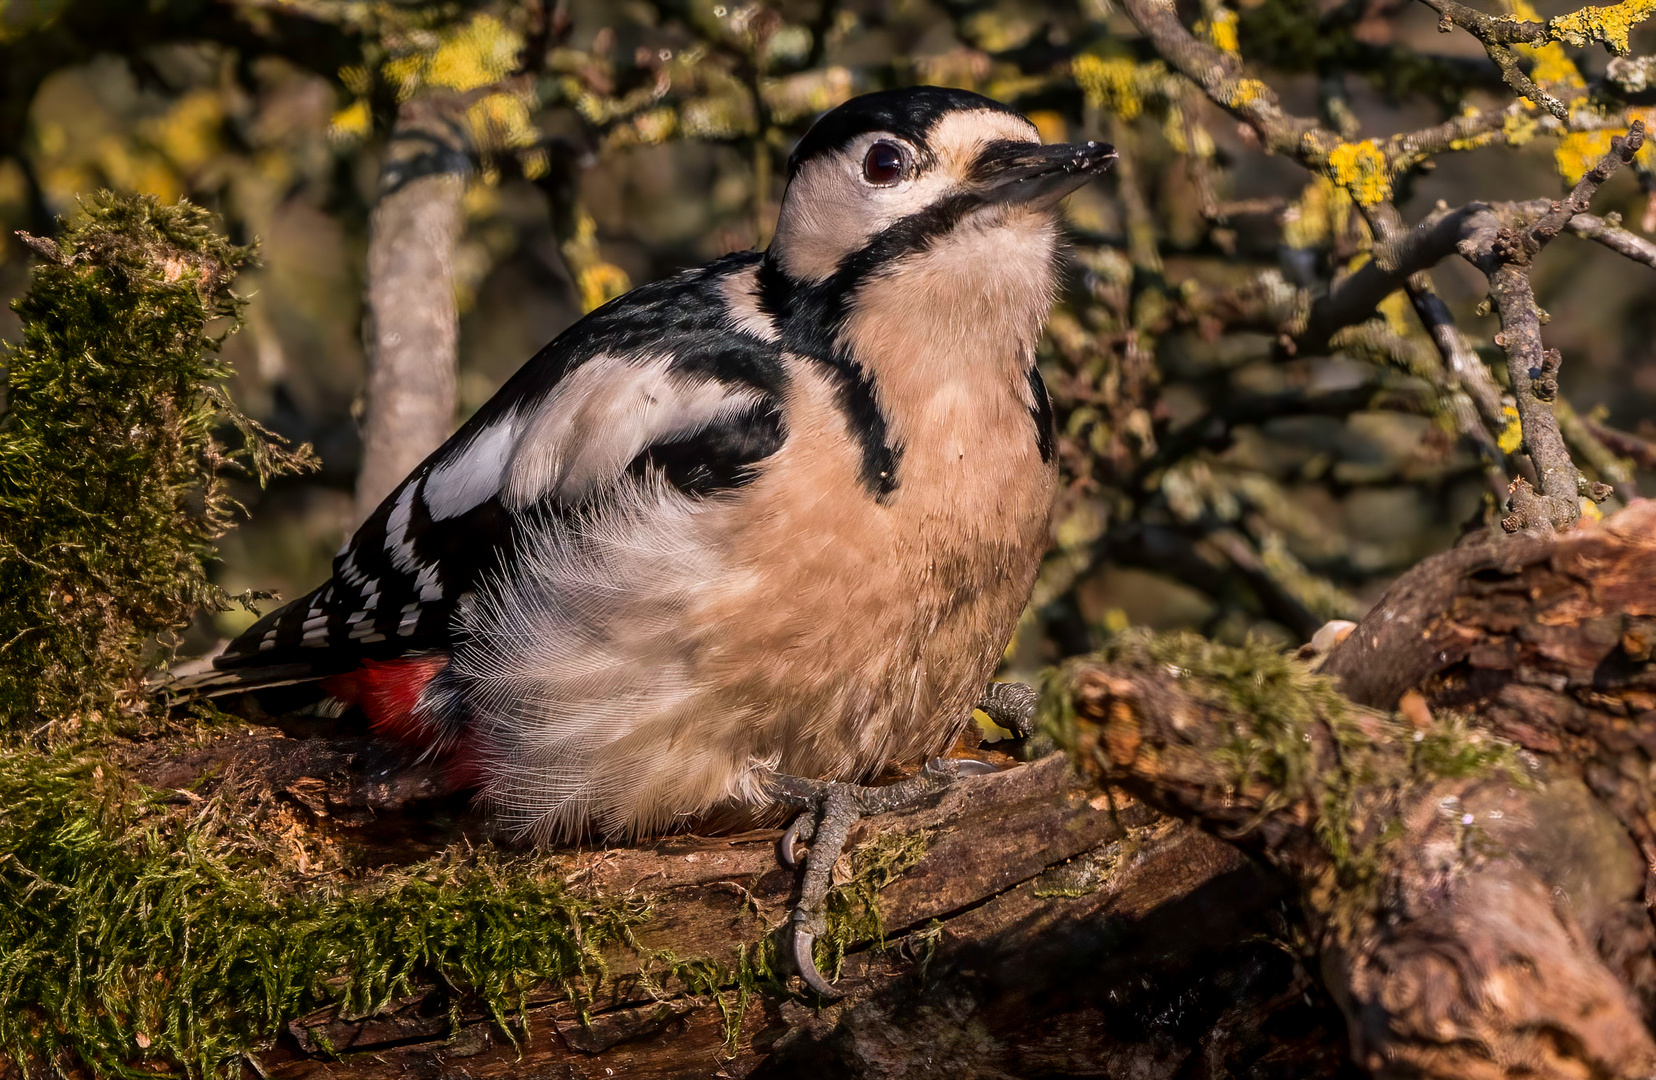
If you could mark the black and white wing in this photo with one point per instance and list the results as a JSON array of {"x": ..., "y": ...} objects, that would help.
[{"x": 663, "y": 381}]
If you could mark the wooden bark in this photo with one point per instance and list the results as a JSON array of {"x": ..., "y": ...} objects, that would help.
[
  {"x": 1042, "y": 933},
  {"x": 1501, "y": 926},
  {"x": 1492, "y": 921},
  {"x": 412, "y": 326}
]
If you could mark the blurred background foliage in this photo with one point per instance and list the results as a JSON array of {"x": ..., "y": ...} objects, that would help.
[{"x": 1212, "y": 481}]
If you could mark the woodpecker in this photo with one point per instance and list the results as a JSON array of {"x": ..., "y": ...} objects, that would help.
[{"x": 743, "y": 534}]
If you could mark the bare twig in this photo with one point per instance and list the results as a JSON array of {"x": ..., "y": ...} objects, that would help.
[
  {"x": 1505, "y": 260},
  {"x": 1473, "y": 398}
]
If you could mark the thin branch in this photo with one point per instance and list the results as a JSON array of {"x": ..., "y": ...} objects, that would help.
[
  {"x": 1533, "y": 369},
  {"x": 1499, "y": 30},
  {"x": 1221, "y": 78},
  {"x": 1473, "y": 398}
]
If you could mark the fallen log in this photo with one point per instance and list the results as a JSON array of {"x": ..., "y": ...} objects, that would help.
[
  {"x": 1443, "y": 871},
  {"x": 1474, "y": 874}
]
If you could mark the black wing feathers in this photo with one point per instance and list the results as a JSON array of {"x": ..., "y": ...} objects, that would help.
[{"x": 397, "y": 583}]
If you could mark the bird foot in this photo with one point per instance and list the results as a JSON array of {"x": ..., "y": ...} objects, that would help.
[
  {"x": 1011, "y": 706},
  {"x": 828, "y": 809}
]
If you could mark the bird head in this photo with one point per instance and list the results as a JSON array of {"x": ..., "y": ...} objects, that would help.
[{"x": 901, "y": 171}]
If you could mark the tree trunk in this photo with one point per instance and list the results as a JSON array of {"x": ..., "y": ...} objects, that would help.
[{"x": 412, "y": 326}]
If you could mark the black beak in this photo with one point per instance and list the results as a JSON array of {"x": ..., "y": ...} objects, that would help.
[{"x": 1039, "y": 175}]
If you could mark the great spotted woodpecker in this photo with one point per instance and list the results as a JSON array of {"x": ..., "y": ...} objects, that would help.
[{"x": 771, "y": 518}]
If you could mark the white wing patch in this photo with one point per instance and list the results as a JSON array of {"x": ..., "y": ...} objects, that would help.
[
  {"x": 604, "y": 414},
  {"x": 399, "y": 542},
  {"x": 430, "y": 591},
  {"x": 474, "y": 473}
]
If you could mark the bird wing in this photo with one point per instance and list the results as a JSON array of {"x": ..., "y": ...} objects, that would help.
[{"x": 661, "y": 385}]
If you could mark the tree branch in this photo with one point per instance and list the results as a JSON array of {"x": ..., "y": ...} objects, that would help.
[{"x": 412, "y": 324}]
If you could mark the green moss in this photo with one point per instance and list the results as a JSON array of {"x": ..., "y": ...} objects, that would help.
[
  {"x": 1452, "y": 749},
  {"x": 1284, "y": 712},
  {"x": 143, "y": 940},
  {"x": 111, "y": 470},
  {"x": 853, "y": 907}
]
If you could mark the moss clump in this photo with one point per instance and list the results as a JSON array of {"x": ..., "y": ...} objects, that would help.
[
  {"x": 1281, "y": 700},
  {"x": 853, "y": 907},
  {"x": 142, "y": 939},
  {"x": 1295, "y": 740},
  {"x": 111, "y": 475}
]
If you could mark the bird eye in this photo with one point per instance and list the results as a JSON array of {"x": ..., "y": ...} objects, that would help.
[{"x": 884, "y": 163}]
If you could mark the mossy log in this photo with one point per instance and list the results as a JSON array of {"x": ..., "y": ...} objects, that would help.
[
  {"x": 1444, "y": 872},
  {"x": 1032, "y": 929},
  {"x": 1481, "y": 906}
]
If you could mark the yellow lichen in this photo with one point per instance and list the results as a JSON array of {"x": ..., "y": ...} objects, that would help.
[
  {"x": 1579, "y": 151},
  {"x": 1550, "y": 65},
  {"x": 1185, "y": 138},
  {"x": 1611, "y": 25},
  {"x": 1219, "y": 30},
  {"x": 481, "y": 52},
  {"x": 501, "y": 121},
  {"x": 1246, "y": 92},
  {"x": 1590, "y": 511},
  {"x": 472, "y": 55},
  {"x": 1395, "y": 310},
  {"x": 1321, "y": 212},
  {"x": 1361, "y": 169},
  {"x": 352, "y": 122},
  {"x": 188, "y": 132},
  {"x": 1512, "y": 436},
  {"x": 597, "y": 280},
  {"x": 1518, "y": 129},
  {"x": 1115, "y": 84}
]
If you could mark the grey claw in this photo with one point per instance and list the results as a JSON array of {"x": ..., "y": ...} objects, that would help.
[
  {"x": 785, "y": 846},
  {"x": 805, "y": 963},
  {"x": 973, "y": 767}
]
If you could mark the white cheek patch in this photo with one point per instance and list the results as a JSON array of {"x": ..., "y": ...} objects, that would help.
[
  {"x": 830, "y": 210},
  {"x": 474, "y": 474}
]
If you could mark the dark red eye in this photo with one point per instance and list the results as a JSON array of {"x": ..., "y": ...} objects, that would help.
[{"x": 884, "y": 163}]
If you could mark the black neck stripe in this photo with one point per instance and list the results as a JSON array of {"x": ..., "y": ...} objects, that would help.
[
  {"x": 809, "y": 319},
  {"x": 1041, "y": 412}
]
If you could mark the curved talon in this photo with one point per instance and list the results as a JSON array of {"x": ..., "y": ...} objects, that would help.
[
  {"x": 973, "y": 767},
  {"x": 785, "y": 846},
  {"x": 805, "y": 963}
]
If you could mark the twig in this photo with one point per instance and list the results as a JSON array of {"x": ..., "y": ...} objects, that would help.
[
  {"x": 1506, "y": 261},
  {"x": 1220, "y": 76},
  {"x": 1641, "y": 451},
  {"x": 1585, "y": 442},
  {"x": 1473, "y": 398},
  {"x": 1498, "y": 35}
]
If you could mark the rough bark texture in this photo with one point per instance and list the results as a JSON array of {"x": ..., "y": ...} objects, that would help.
[
  {"x": 1349, "y": 892},
  {"x": 412, "y": 324},
  {"x": 1041, "y": 934},
  {"x": 1490, "y": 918}
]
